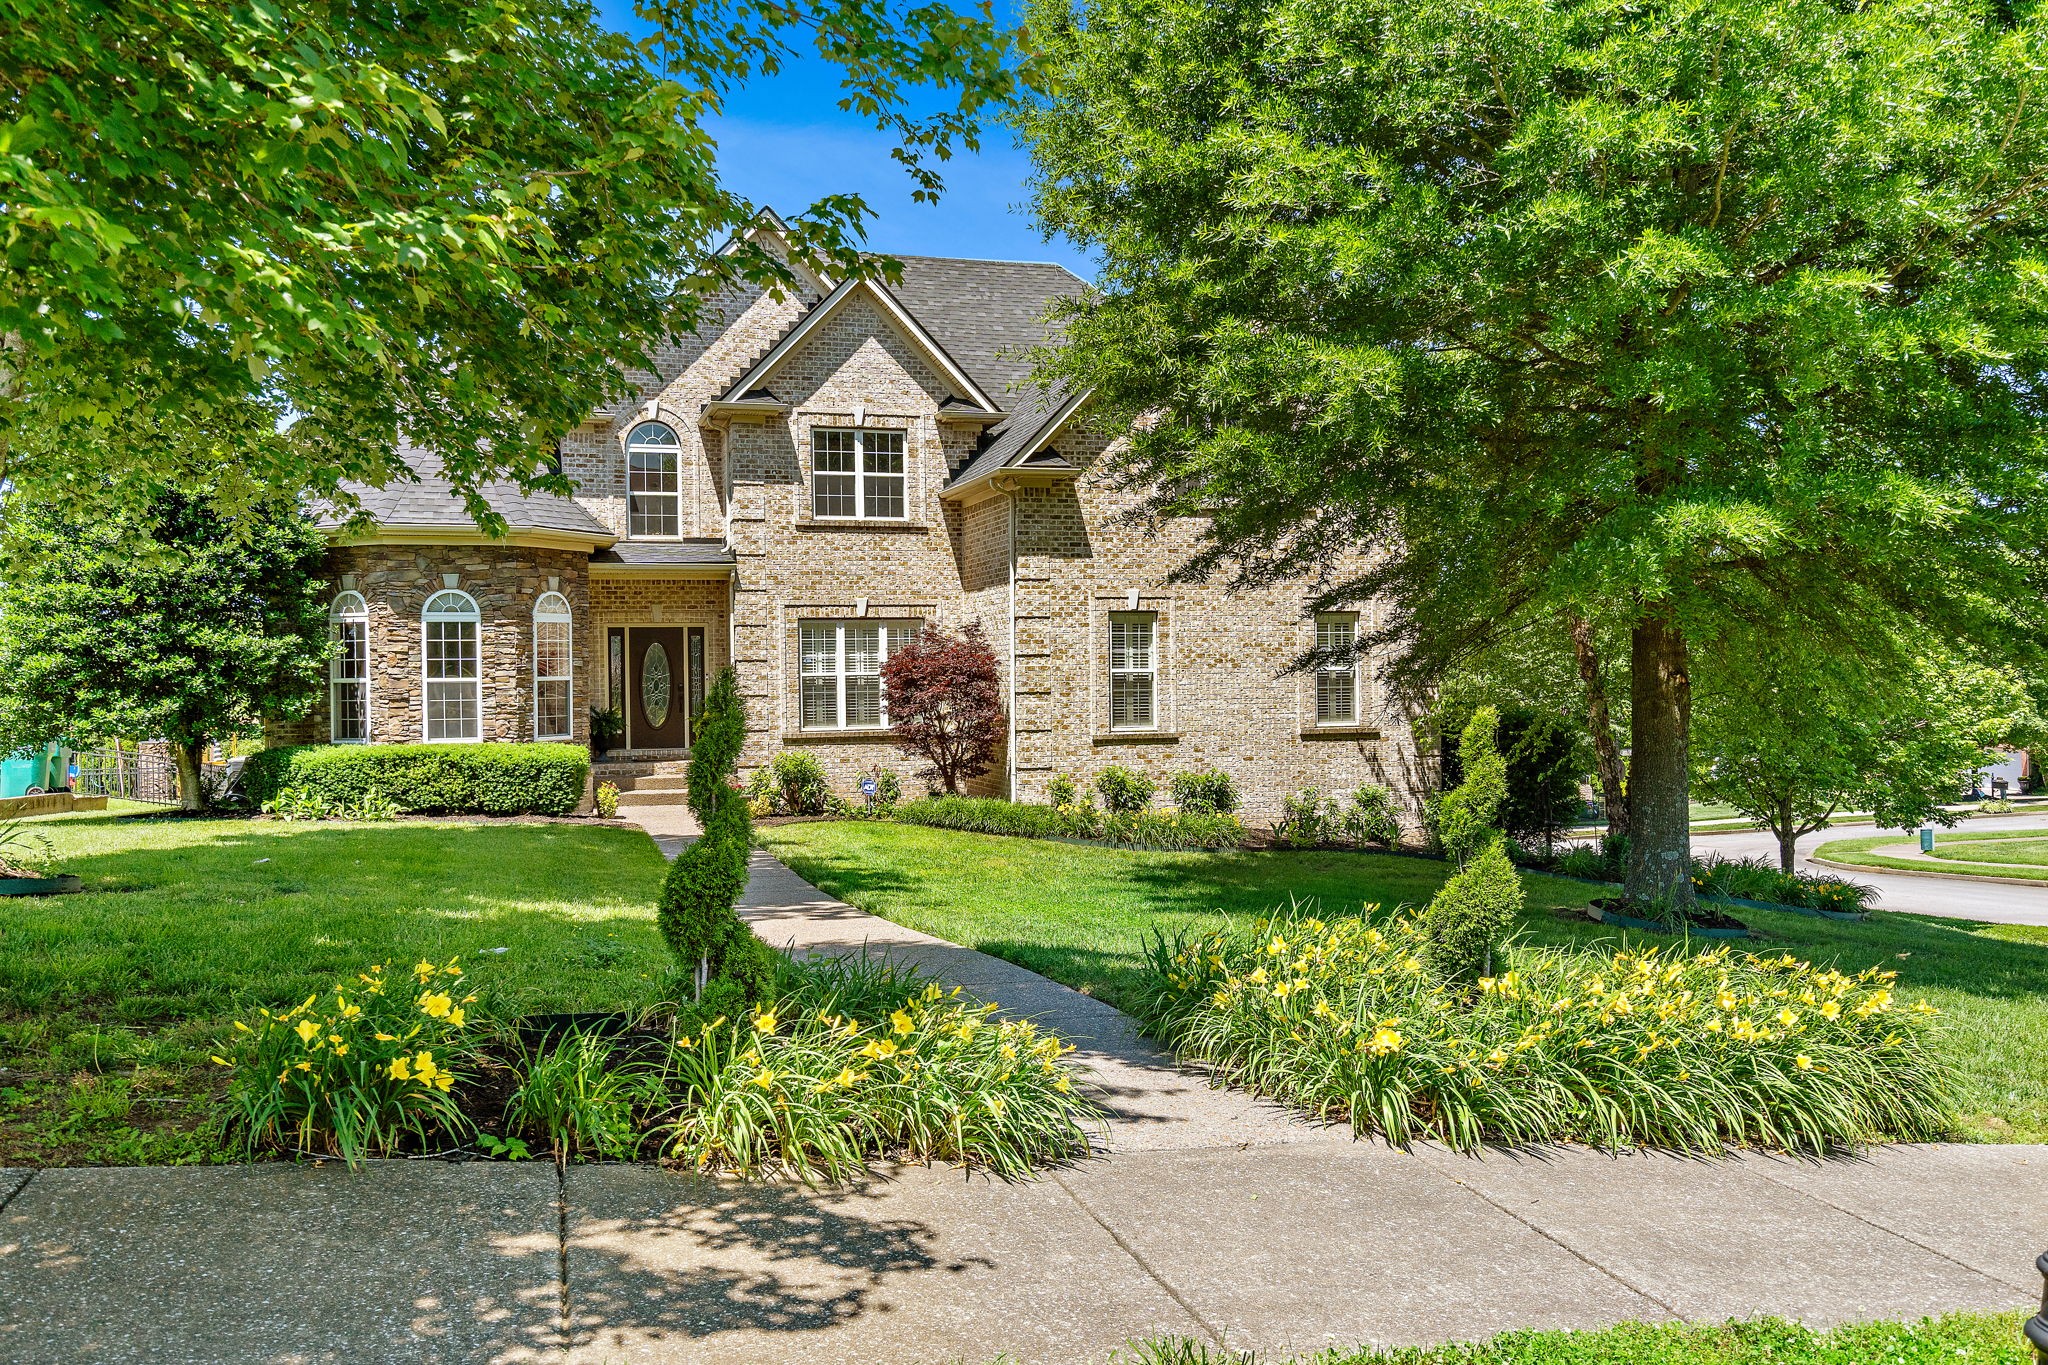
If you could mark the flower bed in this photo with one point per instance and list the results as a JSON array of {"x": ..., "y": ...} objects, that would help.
[
  {"x": 1156, "y": 829},
  {"x": 1690, "y": 1051},
  {"x": 1752, "y": 881},
  {"x": 846, "y": 1060}
]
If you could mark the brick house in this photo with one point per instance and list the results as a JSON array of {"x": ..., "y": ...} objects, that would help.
[{"x": 799, "y": 487}]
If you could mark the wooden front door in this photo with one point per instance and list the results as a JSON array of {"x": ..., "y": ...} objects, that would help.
[{"x": 657, "y": 687}]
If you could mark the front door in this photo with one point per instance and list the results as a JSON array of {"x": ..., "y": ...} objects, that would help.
[{"x": 657, "y": 696}]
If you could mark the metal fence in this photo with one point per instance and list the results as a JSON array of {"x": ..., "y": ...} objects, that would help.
[{"x": 150, "y": 777}]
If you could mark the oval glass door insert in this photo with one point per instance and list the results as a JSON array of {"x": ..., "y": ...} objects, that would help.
[{"x": 654, "y": 686}]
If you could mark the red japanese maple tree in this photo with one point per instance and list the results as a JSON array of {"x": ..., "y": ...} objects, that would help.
[{"x": 946, "y": 703}]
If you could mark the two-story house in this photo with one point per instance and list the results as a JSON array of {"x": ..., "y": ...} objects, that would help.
[{"x": 797, "y": 490}]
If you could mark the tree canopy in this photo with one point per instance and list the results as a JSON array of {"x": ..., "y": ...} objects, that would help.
[
  {"x": 167, "y": 624},
  {"x": 1660, "y": 316},
  {"x": 275, "y": 237}
]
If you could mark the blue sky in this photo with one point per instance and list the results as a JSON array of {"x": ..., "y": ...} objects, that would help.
[{"x": 783, "y": 142}]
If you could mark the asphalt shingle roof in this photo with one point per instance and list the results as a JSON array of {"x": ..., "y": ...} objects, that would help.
[
  {"x": 676, "y": 552},
  {"x": 986, "y": 313},
  {"x": 432, "y": 502},
  {"x": 1014, "y": 435}
]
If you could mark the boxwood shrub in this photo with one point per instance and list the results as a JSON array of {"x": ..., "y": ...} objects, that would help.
[{"x": 452, "y": 779}]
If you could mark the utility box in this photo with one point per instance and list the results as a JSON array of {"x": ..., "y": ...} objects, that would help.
[{"x": 1927, "y": 841}]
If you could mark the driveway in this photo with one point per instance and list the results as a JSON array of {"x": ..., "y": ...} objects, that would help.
[{"x": 1956, "y": 898}]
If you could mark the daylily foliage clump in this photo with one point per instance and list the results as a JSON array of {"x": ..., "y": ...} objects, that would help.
[
  {"x": 805, "y": 1086},
  {"x": 1676, "y": 1049},
  {"x": 358, "y": 1071}
]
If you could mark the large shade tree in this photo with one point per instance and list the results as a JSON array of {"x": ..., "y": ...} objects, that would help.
[
  {"x": 1643, "y": 314},
  {"x": 273, "y": 237},
  {"x": 168, "y": 623}
]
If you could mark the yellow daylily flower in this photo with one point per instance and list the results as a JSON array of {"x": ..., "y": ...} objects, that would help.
[
  {"x": 436, "y": 1004},
  {"x": 307, "y": 1030},
  {"x": 764, "y": 1022},
  {"x": 400, "y": 1069},
  {"x": 901, "y": 1022}
]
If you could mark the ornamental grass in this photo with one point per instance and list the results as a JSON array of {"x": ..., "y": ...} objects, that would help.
[
  {"x": 1669, "y": 1048},
  {"x": 358, "y": 1072},
  {"x": 807, "y": 1087}
]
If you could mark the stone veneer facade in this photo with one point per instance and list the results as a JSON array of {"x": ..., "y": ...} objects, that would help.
[{"x": 1040, "y": 560}]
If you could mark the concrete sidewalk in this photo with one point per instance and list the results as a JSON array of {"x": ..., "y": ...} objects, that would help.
[{"x": 1211, "y": 1217}]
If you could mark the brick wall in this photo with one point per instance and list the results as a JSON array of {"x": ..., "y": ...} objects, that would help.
[{"x": 505, "y": 581}]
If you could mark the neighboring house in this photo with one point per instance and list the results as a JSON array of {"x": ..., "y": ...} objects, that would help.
[{"x": 800, "y": 487}]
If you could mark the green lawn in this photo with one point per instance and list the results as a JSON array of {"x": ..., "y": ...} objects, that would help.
[
  {"x": 110, "y": 1000},
  {"x": 1080, "y": 914},
  {"x": 1957, "y": 1339},
  {"x": 2021, "y": 853}
]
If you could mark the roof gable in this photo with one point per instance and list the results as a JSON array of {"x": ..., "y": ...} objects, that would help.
[{"x": 757, "y": 377}]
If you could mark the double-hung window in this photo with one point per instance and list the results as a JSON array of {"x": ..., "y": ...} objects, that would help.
[
  {"x": 840, "y": 671},
  {"x": 552, "y": 669},
  {"x": 654, "y": 498},
  {"x": 858, "y": 474},
  {"x": 348, "y": 672},
  {"x": 453, "y": 676},
  {"x": 1337, "y": 674},
  {"x": 1133, "y": 670}
]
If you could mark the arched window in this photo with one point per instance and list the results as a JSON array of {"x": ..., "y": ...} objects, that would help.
[
  {"x": 553, "y": 669},
  {"x": 654, "y": 497},
  {"x": 454, "y": 675},
  {"x": 348, "y": 672}
]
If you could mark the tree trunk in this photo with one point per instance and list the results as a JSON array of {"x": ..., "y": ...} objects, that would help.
[
  {"x": 1660, "y": 693},
  {"x": 1788, "y": 838},
  {"x": 191, "y": 792},
  {"x": 1600, "y": 723}
]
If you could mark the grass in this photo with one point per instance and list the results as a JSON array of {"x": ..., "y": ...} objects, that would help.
[
  {"x": 1081, "y": 915},
  {"x": 111, "y": 1000},
  {"x": 2023, "y": 854},
  {"x": 1956, "y": 1339}
]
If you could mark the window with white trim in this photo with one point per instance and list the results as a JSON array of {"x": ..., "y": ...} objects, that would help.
[
  {"x": 553, "y": 667},
  {"x": 654, "y": 496},
  {"x": 348, "y": 672},
  {"x": 858, "y": 473},
  {"x": 840, "y": 672},
  {"x": 453, "y": 677},
  {"x": 1337, "y": 674},
  {"x": 1133, "y": 670}
]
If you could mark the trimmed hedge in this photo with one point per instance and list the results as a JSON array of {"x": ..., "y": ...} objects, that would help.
[{"x": 437, "y": 779}]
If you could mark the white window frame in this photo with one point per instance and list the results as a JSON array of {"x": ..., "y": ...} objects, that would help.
[
  {"x": 348, "y": 609},
  {"x": 643, "y": 439},
  {"x": 1127, "y": 669},
  {"x": 1328, "y": 672},
  {"x": 552, "y": 609},
  {"x": 445, "y": 614},
  {"x": 864, "y": 479},
  {"x": 890, "y": 637}
]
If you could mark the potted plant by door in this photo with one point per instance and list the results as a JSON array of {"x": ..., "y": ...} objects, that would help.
[
  {"x": 606, "y": 726},
  {"x": 24, "y": 864}
]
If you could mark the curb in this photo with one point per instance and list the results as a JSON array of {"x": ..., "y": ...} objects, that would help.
[{"x": 2040, "y": 883}]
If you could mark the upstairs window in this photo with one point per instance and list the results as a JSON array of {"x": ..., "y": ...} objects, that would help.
[
  {"x": 654, "y": 497},
  {"x": 552, "y": 667},
  {"x": 453, "y": 677},
  {"x": 348, "y": 672},
  {"x": 841, "y": 671},
  {"x": 1133, "y": 670},
  {"x": 1337, "y": 676},
  {"x": 858, "y": 474}
]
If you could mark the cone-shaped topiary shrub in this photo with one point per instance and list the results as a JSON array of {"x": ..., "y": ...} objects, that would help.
[
  {"x": 695, "y": 913},
  {"x": 1472, "y": 911}
]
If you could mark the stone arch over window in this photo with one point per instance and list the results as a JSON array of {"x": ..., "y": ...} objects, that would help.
[
  {"x": 452, "y": 667},
  {"x": 553, "y": 668},
  {"x": 348, "y": 672},
  {"x": 654, "y": 482}
]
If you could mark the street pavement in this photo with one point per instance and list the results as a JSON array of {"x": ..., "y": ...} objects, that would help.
[{"x": 1952, "y": 898}]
